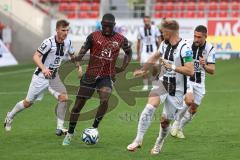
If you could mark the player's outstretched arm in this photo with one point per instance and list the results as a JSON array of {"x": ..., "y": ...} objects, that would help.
[
  {"x": 144, "y": 70},
  {"x": 78, "y": 65},
  {"x": 86, "y": 46},
  {"x": 127, "y": 57},
  {"x": 151, "y": 61}
]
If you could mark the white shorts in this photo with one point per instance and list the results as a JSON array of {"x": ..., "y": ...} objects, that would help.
[
  {"x": 197, "y": 90},
  {"x": 39, "y": 84},
  {"x": 171, "y": 104},
  {"x": 144, "y": 57}
]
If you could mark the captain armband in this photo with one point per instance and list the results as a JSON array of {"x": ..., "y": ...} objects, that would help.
[{"x": 187, "y": 59}]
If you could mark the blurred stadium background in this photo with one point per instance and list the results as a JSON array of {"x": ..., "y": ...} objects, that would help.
[
  {"x": 214, "y": 134},
  {"x": 25, "y": 23}
]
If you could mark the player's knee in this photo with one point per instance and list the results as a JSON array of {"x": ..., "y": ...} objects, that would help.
[
  {"x": 63, "y": 97},
  {"x": 27, "y": 104},
  {"x": 193, "y": 109},
  {"x": 164, "y": 122},
  {"x": 104, "y": 101},
  {"x": 188, "y": 101}
]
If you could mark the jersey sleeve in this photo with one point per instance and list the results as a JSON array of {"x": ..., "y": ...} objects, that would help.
[
  {"x": 211, "y": 56},
  {"x": 71, "y": 50},
  {"x": 45, "y": 46},
  {"x": 186, "y": 54}
]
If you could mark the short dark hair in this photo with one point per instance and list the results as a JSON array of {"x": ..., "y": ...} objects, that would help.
[
  {"x": 62, "y": 23},
  {"x": 201, "y": 28},
  {"x": 108, "y": 17}
]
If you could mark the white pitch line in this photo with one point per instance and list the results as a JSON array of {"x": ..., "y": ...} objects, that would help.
[{"x": 16, "y": 72}]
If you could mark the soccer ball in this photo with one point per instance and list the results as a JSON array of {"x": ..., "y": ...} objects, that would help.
[{"x": 90, "y": 136}]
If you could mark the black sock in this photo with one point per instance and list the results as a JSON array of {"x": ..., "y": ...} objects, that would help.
[
  {"x": 96, "y": 122},
  {"x": 72, "y": 126}
]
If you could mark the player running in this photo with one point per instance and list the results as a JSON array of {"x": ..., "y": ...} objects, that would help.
[
  {"x": 104, "y": 49},
  {"x": 148, "y": 41},
  {"x": 176, "y": 58},
  {"x": 204, "y": 62},
  {"x": 48, "y": 58}
]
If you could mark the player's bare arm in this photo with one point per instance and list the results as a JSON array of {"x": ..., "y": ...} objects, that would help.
[
  {"x": 187, "y": 69},
  {"x": 81, "y": 53},
  {"x": 127, "y": 57},
  {"x": 151, "y": 61},
  {"x": 138, "y": 50},
  {"x": 77, "y": 63},
  {"x": 209, "y": 68},
  {"x": 37, "y": 58},
  {"x": 159, "y": 41}
]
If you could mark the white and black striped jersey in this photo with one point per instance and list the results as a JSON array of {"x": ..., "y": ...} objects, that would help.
[
  {"x": 149, "y": 38},
  {"x": 207, "y": 51},
  {"x": 174, "y": 81},
  {"x": 53, "y": 53}
]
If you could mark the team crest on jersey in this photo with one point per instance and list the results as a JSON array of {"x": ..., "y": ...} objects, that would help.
[
  {"x": 204, "y": 52},
  {"x": 109, "y": 48}
]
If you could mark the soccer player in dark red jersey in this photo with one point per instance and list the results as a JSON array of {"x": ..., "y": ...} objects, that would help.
[{"x": 104, "y": 46}]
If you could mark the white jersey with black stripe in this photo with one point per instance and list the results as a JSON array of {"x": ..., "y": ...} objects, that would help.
[
  {"x": 175, "y": 55},
  {"x": 207, "y": 51},
  {"x": 53, "y": 53},
  {"x": 148, "y": 38}
]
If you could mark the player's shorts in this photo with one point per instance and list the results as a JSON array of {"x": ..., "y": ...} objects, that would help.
[
  {"x": 57, "y": 85},
  {"x": 197, "y": 90},
  {"x": 144, "y": 57},
  {"x": 39, "y": 85},
  {"x": 88, "y": 84},
  {"x": 171, "y": 104}
]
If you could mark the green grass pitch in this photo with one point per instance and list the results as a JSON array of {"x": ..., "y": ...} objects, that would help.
[{"x": 214, "y": 133}]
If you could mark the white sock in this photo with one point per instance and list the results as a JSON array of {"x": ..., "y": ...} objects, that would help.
[
  {"x": 144, "y": 121},
  {"x": 61, "y": 111},
  {"x": 145, "y": 82},
  {"x": 162, "y": 134},
  {"x": 53, "y": 92},
  {"x": 186, "y": 118},
  {"x": 17, "y": 108}
]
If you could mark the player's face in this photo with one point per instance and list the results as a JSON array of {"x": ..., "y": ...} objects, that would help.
[
  {"x": 199, "y": 38},
  {"x": 62, "y": 32},
  {"x": 147, "y": 22},
  {"x": 166, "y": 34},
  {"x": 107, "y": 27}
]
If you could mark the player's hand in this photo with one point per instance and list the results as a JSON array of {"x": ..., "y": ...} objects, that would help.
[
  {"x": 80, "y": 72},
  {"x": 202, "y": 61},
  {"x": 139, "y": 73},
  {"x": 167, "y": 65},
  {"x": 47, "y": 72},
  {"x": 118, "y": 70}
]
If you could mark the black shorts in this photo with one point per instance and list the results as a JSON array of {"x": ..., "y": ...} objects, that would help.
[{"x": 89, "y": 84}]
